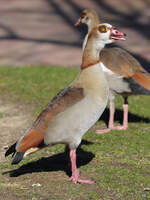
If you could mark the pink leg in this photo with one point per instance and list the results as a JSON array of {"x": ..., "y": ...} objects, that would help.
[
  {"x": 111, "y": 119},
  {"x": 75, "y": 174},
  {"x": 125, "y": 119},
  {"x": 111, "y": 115}
]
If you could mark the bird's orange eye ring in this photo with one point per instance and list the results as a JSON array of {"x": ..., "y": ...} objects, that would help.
[{"x": 102, "y": 29}]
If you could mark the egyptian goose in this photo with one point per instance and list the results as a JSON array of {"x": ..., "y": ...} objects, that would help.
[
  {"x": 123, "y": 72},
  {"x": 73, "y": 111}
]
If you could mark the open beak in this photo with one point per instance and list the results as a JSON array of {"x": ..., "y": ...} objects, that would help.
[
  {"x": 78, "y": 22},
  {"x": 117, "y": 35}
]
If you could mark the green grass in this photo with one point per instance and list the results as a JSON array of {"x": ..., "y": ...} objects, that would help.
[
  {"x": 35, "y": 84},
  {"x": 121, "y": 162}
]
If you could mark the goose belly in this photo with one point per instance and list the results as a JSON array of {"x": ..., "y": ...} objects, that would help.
[
  {"x": 69, "y": 126},
  {"x": 116, "y": 82}
]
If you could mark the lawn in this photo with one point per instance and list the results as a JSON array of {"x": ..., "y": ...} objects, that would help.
[{"x": 118, "y": 161}]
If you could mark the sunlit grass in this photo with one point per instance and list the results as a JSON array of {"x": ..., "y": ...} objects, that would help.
[
  {"x": 35, "y": 84},
  {"x": 121, "y": 159}
]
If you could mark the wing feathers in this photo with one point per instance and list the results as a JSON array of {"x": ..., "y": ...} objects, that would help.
[
  {"x": 63, "y": 100},
  {"x": 143, "y": 79},
  {"x": 32, "y": 139},
  {"x": 12, "y": 149},
  {"x": 18, "y": 157},
  {"x": 120, "y": 62}
]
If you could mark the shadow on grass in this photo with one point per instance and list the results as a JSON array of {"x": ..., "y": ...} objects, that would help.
[
  {"x": 57, "y": 162},
  {"x": 119, "y": 117}
]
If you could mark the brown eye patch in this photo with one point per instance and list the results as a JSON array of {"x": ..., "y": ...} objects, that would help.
[
  {"x": 102, "y": 29},
  {"x": 83, "y": 15}
]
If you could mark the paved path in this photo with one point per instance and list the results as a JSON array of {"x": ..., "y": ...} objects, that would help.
[{"x": 35, "y": 32}]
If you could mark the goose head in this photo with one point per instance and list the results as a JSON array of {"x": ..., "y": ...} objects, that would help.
[
  {"x": 106, "y": 34},
  {"x": 88, "y": 17}
]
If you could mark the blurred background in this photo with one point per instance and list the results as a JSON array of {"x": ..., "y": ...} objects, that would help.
[{"x": 42, "y": 32}]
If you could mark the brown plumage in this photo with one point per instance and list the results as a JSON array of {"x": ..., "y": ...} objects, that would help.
[
  {"x": 35, "y": 135},
  {"x": 143, "y": 79},
  {"x": 74, "y": 110},
  {"x": 121, "y": 62},
  {"x": 120, "y": 67},
  {"x": 32, "y": 139},
  {"x": 63, "y": 100}
]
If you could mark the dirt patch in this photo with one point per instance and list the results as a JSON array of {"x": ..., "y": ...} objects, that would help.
[{"x": 14, "y": 119}]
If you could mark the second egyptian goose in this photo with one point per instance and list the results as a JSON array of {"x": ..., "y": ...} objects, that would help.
[
  {"x": 75, "y": 109},
  {"x": 124, "y": 73}
]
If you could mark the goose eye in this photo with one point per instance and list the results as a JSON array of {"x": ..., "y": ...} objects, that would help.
[{"x": 102, "y": 29}]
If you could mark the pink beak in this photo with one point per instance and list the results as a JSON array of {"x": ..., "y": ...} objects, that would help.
[
  {"x": 78, "y": 22},
  {"x": 117, "y": 35}
]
